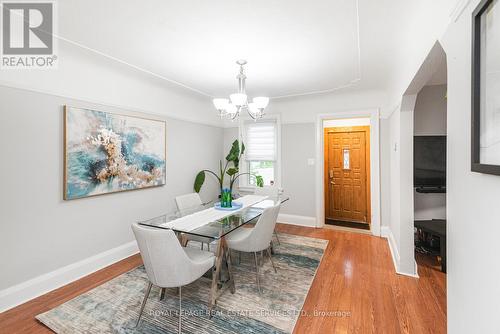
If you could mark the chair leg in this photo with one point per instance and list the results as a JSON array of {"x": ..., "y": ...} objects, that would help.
[
  {"x": 271, "y": 258},
  {"x": 239, "y": 257},
  {"x": 162, "y": 293},
  {"x": 180, "y": 309},
  {"x": 276, "y": 235},
  {"x": 202, "y": 246},
  {"x": 148, "y": 290},
  {"x": 229, "y": 261},
  {"x": 257, "y": 271}
]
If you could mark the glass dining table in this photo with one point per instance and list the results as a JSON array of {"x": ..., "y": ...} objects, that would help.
[{"x": 213, "y": 225}]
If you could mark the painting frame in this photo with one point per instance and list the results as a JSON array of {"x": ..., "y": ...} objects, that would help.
[
  {"x": 66, "y": 111},
  {"x": 476, "y": 163}
]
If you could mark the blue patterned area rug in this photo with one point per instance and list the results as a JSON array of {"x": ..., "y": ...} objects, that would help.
[{"x": 113, "y": 307}]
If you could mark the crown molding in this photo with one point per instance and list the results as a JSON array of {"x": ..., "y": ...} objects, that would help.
[
  {"x": 216, "y": 123},
  {"x": 458, "y": 9}
]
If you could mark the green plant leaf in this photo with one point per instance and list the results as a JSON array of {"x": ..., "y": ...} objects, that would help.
[
  {"x": 242, "y": 148},
  {"x": 234, "y": 152},
  {"x": 232, "y": 171},
  {"x": 198, "y": 181},
  {"x": 259, "y": 180}
]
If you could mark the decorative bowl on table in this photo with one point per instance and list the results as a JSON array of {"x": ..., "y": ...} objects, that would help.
[{"x": 234, "y": 206}]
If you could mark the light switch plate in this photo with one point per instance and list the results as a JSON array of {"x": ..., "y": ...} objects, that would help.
[{"x": 310, "y": 162}]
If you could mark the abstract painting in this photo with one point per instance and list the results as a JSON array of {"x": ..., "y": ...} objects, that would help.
[{"x": 106, "y": 153}]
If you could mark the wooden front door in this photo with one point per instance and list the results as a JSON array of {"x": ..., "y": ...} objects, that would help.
[{"x": 347, "y": 173}]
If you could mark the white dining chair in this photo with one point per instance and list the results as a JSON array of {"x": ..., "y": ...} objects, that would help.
[
  {"x": 167, "y": 263},
  {"x": 188, "y": 201},
  {"x": 271, "y": 191},
  {"x": 256, "y": 239},
  {"x": 184, "y": 204}
]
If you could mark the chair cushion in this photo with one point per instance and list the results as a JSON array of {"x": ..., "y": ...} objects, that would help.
[
  {"x": 237, "y": 240},
  {"x": 199, "y": 256}
]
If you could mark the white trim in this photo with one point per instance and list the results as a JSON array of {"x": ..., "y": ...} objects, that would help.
[
  {"x": 386, "y": 232},
  {"x": 374, "y": 115},
  {"x": 297, "y": 220},
  {"x": 8, "y": 84},
  {"x": 35, "y": 287},
  {"x": 458, "y": 9}
]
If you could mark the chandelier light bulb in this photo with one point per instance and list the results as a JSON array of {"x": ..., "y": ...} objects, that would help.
[
  {"x": 261, "y": 102},
  {"x": 238, "y": 99},
  {"x": 254, "y": 111}
]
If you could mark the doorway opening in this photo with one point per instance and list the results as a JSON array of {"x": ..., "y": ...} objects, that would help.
[
  {"x": 418, "y": 170},
  {"x": 346, "y": 179},
  {"x": 429, "y": 165}
]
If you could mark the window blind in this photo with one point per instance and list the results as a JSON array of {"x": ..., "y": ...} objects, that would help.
[{"x": 260, "y": 141}]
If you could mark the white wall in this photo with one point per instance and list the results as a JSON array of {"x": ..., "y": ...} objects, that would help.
[
  {"x": 230, "y": 135},
  {"x": 385, "y": 172},
  {"x": 430, "y": 120},
  {"x": 401, "y": 186},
  {"x": 472, "y": 202},
  {"x": 394, "y": 141},
  {"x": 430, "y": 111},
  {"x": 46, "y": 233},
  {"x": 298, "y": 145}
]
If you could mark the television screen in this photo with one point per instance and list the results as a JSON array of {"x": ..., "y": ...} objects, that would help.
[{"x": 429, "y": 159}]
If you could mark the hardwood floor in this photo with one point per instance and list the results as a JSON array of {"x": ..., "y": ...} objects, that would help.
[
  {"x": 21, "y": 319},
  {"x": 361, "y": 292},
  {"x": 351, "y": 279}
]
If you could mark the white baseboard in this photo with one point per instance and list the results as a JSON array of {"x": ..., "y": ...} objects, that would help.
[
  {"x": 297, "y": 220},
  {"x": 386, "y": 232},
  {"x": 23, "y": 292}
]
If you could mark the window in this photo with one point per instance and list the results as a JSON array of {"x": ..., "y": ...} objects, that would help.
[
  {"x": 261, "y": 154},
  {"x": 346, "y": 159},
  {"x": 261, "y": 168}
]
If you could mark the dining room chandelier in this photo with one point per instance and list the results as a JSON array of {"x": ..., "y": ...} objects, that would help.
[{"x": 231, "y": 108}]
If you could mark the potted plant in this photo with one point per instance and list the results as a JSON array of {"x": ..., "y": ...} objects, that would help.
[{"x": 231, "y": 169}]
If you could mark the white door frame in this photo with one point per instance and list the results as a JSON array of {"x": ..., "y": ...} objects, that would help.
[{"x": 374, "y": 115}]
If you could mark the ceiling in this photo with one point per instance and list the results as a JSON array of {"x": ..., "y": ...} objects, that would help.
[{"x": 292, "y": 47}]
